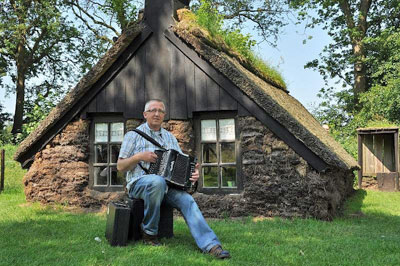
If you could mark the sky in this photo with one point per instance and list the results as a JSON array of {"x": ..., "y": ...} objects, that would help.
[{"x": 289, "y": 57}]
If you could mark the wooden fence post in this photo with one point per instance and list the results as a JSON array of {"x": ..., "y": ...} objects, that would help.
[{"x": 2, "y": 170}]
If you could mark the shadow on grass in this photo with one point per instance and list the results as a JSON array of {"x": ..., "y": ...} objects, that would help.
[{"x": 353, "y": 205}]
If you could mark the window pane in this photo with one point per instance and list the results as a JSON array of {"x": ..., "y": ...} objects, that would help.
[
  {"x": 100, "y": 153},
  {"x": 114, "y": 152},
  {"x": 208, "y": 130},
  {"x": 117, "y": 132},
  {"x": 228, "y": 152},
  {"x": 101, "y": 132},
  {"x": 228, "y": 176},
  {"x": 100, "y": 176},
  {"x": 117, "y": 177},
  {"x": 209, "y": 153},
  {"x": 227, "y": 129},
  {"x": 210, "y": 176}
]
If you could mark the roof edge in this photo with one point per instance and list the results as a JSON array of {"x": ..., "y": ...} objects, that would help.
[{"x": 84, "y": 84}]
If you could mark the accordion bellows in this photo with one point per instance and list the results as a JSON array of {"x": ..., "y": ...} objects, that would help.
[{"x": 175, "y": 167}]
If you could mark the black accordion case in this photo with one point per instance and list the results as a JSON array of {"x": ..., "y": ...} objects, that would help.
[{"x": 117, "y": 227}]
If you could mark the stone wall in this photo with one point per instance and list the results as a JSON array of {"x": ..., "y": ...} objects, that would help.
[
  {"x": 60, "y": 172},
  {"x": 276, "y": 181}
]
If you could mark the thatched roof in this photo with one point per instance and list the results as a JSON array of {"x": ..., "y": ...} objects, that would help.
[
  {"x": 276, "y": 102},
  {"x": 84, "y": 85}
]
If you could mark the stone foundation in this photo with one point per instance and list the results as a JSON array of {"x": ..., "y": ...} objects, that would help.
[
  {"x": 60, "y": 172},
  {"x": 276, "y": 181}
]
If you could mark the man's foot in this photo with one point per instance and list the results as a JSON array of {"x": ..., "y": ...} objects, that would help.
[
  {"x": 219, "y": 253},
  {"x": 151, "y": 240}
]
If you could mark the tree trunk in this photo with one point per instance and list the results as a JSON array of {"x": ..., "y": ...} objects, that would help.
[
  {"x": 20, "y": 90},
  {"x": 360, "y": 72},
  {"x": 19, "y": 106}
]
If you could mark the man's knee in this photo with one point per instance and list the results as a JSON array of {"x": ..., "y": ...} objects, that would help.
[{"x": 157, "y": 183}]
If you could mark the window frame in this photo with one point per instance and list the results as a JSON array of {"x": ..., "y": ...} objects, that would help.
[
  {"x": 197, "y": 125},
  {"x": 92, "y": 153}
]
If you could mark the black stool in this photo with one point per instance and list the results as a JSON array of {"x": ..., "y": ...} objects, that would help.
[{"x": 165, "y": 226}]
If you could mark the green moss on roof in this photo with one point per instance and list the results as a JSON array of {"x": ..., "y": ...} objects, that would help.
[{"x": 188, "y": 22}]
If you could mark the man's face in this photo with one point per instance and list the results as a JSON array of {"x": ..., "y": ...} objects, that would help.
[{"x": 154, "y": 115}]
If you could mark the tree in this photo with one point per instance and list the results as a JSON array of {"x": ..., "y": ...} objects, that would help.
[
  {"x": 40, "y": 51},
  {"x": 4, "y": 118},
  {"x": 105, "y": 18},
  {"x": 349, "y": 23},
  {"x": 267, "y": 17}
]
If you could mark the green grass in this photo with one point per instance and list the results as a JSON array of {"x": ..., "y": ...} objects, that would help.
[{"x": 367, "y": 234}]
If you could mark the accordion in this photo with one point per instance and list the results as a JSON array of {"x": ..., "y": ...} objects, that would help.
[{"x": 175, "y": 167}]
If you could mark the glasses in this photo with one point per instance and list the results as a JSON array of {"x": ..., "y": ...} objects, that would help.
[{"x": 153, "y": 111}]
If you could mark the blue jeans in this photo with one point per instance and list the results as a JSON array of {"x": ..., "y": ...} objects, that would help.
[{"x": 153, "y": 189}]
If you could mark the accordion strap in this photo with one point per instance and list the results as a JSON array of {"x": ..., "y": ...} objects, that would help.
[
  {"x": 144, "y": 135},
  {"x": 147, "y": 137}
]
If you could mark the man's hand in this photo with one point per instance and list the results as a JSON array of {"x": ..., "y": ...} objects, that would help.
[
  {"x": 195, "y": 175},
  {"x": 130, "y": 163},
  {"x": 148, "y": 156}
]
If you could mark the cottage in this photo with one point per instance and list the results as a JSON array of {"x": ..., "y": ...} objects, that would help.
[{"x": 261, "y": 151}]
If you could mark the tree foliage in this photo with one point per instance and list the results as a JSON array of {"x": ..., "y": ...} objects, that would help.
[
  {"x": 362, "y": 58},
  {"x": 47, "y": 45},
  {"x": 42, "y": 50},
  {"x": 267, "y": 17}
]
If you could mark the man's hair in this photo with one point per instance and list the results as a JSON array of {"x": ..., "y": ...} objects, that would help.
[{"x": 146, "y": 106}]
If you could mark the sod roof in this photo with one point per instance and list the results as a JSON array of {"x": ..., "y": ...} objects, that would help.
[{"x": 274, "y": 99}]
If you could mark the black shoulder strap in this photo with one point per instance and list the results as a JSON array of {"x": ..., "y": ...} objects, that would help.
[{"x": 144, "y": 135}]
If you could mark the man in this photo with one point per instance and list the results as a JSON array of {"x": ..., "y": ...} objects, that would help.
[{"x": 153, "y": 188}]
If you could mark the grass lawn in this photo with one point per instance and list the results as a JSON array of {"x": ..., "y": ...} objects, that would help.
[{"x": 367, "y": 234}]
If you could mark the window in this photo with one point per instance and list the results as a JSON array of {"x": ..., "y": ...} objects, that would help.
[
  {"x": 106, "y": 143},
  {"x": 217, "y": 153}
]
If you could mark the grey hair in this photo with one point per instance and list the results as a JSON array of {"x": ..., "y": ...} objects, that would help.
[{"x": 146, "y": 107}]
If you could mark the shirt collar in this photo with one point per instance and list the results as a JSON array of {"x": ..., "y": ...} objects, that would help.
[{"x": 153, "y": 131}]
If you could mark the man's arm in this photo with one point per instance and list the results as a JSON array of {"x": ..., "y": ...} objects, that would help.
[{"x": 126, "y": 164}]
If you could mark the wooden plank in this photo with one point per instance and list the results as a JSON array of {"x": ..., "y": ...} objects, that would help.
[
  {"x": 242, "y": 111},
  {"x": 388, "y": 154},
  {"x": 378, "y": 152},
  {"x": 212, "y": 95},
  {"x": 129, "y": 85},
  {"x": 177, "y": 93},
  {"x": 201, "y": 90},
  {"x": 368, "y": 155},
  {"x": 157, "y": 71},
  {"x": 190, "y": 87},
  {"x": 139, "y": 84},
  {"x": 119, "y": 97},
  {"x": 226, "y": 102},
  {"x": 315, "y": 161},
  {"x": 92, "y": 106},
  {"x": 101, "y": 101},
  {"x": 360, "y": 160},
  {"x": 110, "y": 94}
]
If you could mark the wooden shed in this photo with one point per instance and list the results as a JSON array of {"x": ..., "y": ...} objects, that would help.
[
  {"x": 378, "y": 156},
  {"x": 272, "y": 157}
]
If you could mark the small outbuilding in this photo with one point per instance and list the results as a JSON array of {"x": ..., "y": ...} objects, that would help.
[
  {"x": 378, "y": 156},
  {"x": 261, "y": 152}
]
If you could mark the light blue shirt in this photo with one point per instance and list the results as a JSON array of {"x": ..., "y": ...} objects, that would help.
[{"x": 134, "y": 143}]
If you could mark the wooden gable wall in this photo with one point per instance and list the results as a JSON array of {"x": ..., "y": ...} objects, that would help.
[{"x": 159, "y": 70}]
